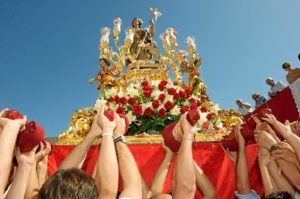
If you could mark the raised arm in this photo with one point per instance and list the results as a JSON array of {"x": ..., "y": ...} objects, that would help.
[
  {"x": 204, "y": 184},
  {"x": 107, "y": 164},
  {"x": 159, "y": 179},
  {"x": 9, "y": 132},
  {"x": 132, "y": 185},
  {"x": 185, "y": 183},
  {"x": 78, "y": 154},
  {"x": 25, "y": 164}
]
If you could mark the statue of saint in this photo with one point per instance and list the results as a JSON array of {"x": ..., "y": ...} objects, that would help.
[{"x": 142, "y": 40}]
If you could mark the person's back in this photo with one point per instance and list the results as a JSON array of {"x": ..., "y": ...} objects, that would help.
[
  {"x": 69, "y": 184},
  {"x": 293, "y": 75}
]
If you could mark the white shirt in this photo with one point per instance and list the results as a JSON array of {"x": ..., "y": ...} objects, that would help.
[
  {"x": 244, "y": 110},
  {"x": 277, "y": 87}
]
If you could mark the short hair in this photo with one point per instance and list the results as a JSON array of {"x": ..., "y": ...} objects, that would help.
[
  {"x": 286, "y": 64},
  {"x": 279, "y": 195},
  {"x": 269, "y": 79},
  {"x": 69, "y": 184},
  {"x": 255, "y": 95},
  {"x": 139, "y": 20},
  {"x": 299, "y": 56}
]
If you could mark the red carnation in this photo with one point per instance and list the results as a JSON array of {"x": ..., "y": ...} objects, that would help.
[
  {"x": 117, "y": 98},
  {"x": 123, "y": 100},
  {"x": 162, "y": 97},
  {"x": 109, "y": 114},
  {"x": 194, "y": 106},
  {"x": 161, "y": 113},
  {"x": 209, "y": 116},
  {"x": 120, "y": 110},
  {"x": 182, "y": 94},
  {"x": 137, "y": 109},
  {"x": 176, "y": 96},
  {"x": 188, "y": 91},
  {"x": 145, "y": 83},
  {"x": 184, "y": 109},
  {"x": 171, "y": 91},
  {"x": 203, "y": 109},
  {"x": 111, "y": 99},
  {"x": 148, "y": 112},
  {"x": 205, "y": 125},
  {"x": 155, "y": 104},
  {"x": 192, "y": 100},
  {"x": 169, "y": 105},
  {"x": 132, "y": 100}
]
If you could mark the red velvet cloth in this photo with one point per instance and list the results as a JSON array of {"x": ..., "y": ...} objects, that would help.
[{"x": 209, "y": 156}]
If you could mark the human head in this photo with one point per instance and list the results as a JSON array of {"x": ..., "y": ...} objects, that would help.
[
  {"x": 255, "y": 96},
  {"x": 270, "y": 81},
  {"x": 239, "y": 102},
  {"x": 104, "y": 62},
  {"x": 69, "y": 184},
  {"x": 279, "y": 195},
  {"x": 299, "y": 56},
  {"x": 286, "y": 66},
  {"x": 136, "y": 22}
]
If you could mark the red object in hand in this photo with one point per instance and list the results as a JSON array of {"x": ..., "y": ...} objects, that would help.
[
  {"x": 229, "y": 143},
  {"x": 193, "y": 116},
  {"x": 109, "y": 114},
  {"x": 126, "y": 121},
  {"x": 13, "y": 114},
  {"x": 169, "y": 138},
  {"x": 30, "y": 137}
]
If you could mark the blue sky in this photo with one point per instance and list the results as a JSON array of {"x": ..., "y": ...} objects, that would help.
[{"x": 48, "y": 49}]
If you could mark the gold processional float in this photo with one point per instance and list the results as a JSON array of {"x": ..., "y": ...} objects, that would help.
[{"x": 134, "y": 79}]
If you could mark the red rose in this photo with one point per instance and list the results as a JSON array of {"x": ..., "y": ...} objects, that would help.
[
  {"x": 155, "y": 104},
  {"x": 120, "y": 110},
  {"x": 109, "y": 114},
  {"x": 161, "y": 113},
  {"x": 132, "y": 100},
  {"x": 176, "y": 96},
  {"x": 123, "y": 100},
  {"x": 209, "y": 116},
  {"x": 163, "y": 82},
  {"x": 148, "y": 112},
  {"x": 194, "y": 106},
  {"x": 137, "y": 109},
  {"x": 193, "y": 116},
  {"x": 162, "y": 97},
  {"x": 169, "y": 105},
  {"x": 171, "y": 91},
  {"x": 145, "y": 83},
  {"x": 188, "y": 91},
  {"x": 13, "y": 114},
  {"x": 117, "y": 98},
  {"x": 182, "y": 94},
  {"x": 203, "y": 109},
  {"x": 199, "y": 102},
  {"x": 161, "y": 87},
  {"x": 111, "y": 99},
  {"x": 205, "y": 125},
  {"x": 184, "y": 109}
]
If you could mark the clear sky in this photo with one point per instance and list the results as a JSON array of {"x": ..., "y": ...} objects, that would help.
[{"x": 48, "y": 49}]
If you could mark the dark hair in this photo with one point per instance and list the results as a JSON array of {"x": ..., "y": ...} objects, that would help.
[
  {"x": 69, "y": 184},
  {"x": 105, "y": 60},
  {"x": 285, "y": 65},
  {"x": 279, "y": 195},
  {"x": 139, "y": 20},
  {"x": 299, "y": 56}
]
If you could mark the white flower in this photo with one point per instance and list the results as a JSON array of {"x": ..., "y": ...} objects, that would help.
[
  {"x": 99, "y": 103},
  {"x": 186, "y": 103},
  {"x": 175, "y": 110},
  {"x": 214, "y": 108},
  {"x": 113, "y": 106},
  {"x": 131, "y": 117},
  {"x": 146, "y": 105},
  {"x": 156, "y": 93},
  {"x": 132, "y": 92},
  {"x": 202, "y": 118},
  {"x": 112, "y": 92},
  {"x": 155, "y": 83},
  {"x": 168, "y": 98}
]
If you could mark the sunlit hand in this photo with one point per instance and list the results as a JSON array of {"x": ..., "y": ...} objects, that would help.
[
  {"x": 45, "y": 149},
  {"x": 104, "y": 122},
  {"x": 282, "y": 128},
  {"x": 285, "y": 152},
  {"x": 232, "y": 155},
  {"x": 264, "y": 139},
  {"x": 95, "y": 128},
  {"x": 238, "y": 136},
  {"x": 166, "y": 149},
  {"x": 264, "y": 157},
  {"x": 27, "y": 158},
  {"x": 18, "y": 123},
  {"x": 120, "y": 126},
  {"x": 187, "y": 128}
]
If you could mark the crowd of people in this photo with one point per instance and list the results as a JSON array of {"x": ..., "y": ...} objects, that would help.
[{"x": 275, "y": 87}]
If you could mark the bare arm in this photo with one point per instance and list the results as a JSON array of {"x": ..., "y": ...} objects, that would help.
[
  {"x": 78, "y": 154},
  {"x": 159, "y": 179},
  {"x": 185, "y": 184},
  {"x": 152, "y": 28},
  {"x": 8, "y": 137},
  {"x": 107, "y": 164},
  {"x": 25, "y": 162},
  {"x": 204, "y": 184},
  {"x": 280, "y": 180}
]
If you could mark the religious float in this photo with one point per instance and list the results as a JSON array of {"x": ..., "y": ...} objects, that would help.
[{"x": 148, "y": 86}]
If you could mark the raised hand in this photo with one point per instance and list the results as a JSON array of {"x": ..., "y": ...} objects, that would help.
[
  {"x": 285, "y": 151},
  {"x": 166, "y": 149},
  {"x": 282, "y": 128},
  {"x": 264, "y": 139},
  {"x": 232, "y": 155},
  {"x": 45, "y": 148},
  {"x": 238, "y": 136},
  {"x": 104, "y": 122},
  {"x": 18, "y": 123},
  {"x": 25, "y": 159},
  {"x": 188, "y": 129},
  {"x": 264, "y": 157},
  {"x": 120, "y": 126},
  {"x": 95, "y": 128}
]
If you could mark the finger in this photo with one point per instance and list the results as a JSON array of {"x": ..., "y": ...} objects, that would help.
[
  {"x": 3, "y": 111},
  {"x": 287, "y": 122},
  {"x": 256, "y": 120},
  {"x": 34, "y": 149},
  {"x": 102, "y": 109}
]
